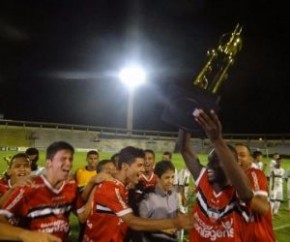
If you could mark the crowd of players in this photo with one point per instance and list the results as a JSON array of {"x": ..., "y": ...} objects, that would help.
[{"x": 131, "y": 198}]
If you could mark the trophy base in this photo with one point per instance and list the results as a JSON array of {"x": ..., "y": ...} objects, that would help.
[{"x": 181, "y": 104}]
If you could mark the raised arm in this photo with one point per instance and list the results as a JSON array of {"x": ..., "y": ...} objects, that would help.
[
  {"x": 93, "y": 181},
  {"x": 6, "y": 195},
  {"x": 189, "y": 155},
  {"x": 213, "y": 129}
]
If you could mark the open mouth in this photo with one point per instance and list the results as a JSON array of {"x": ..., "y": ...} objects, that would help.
[
  {"x": 22, "y": 174},
  {"x": 210, "y": 172},
  {"x": 66, "y": 170}
]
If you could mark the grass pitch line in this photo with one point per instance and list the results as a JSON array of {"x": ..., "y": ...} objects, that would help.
[{"x": 282, "y": 227}]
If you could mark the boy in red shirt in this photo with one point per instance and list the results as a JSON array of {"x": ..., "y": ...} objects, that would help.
[
  {"x": 111, "y": 213},
  {"x": 45, "y": 205}
]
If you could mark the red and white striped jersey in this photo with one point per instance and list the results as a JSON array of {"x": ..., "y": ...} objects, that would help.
[
  {"x": 43, "y": 208},
  {"x": 256, "y": 227},
  {"x": 109, "y": 205},
  {"x": 214, "y": 213},
  {"x": 4, "y": 186}
]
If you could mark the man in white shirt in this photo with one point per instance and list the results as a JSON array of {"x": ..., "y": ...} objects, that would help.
[{"x": 276, "y": 194}]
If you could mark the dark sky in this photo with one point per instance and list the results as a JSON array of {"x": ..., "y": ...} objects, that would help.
[{"x": 59, "y": 60}]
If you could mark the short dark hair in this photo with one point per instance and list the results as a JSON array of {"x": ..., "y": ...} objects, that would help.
[
  {"x": 115, "y": 159},
  {"x": 32, "y": 151},
  {"x": 18, "y": 155},
  {"x": 168, "y": 153},
  {"x": 57, "y": 146},
  {"x": 162, "y": 166},
  {"x": 257, "y": 153},
  {"x": 150, "y": 151},
  {"x": 129, "y": 154},
  {"x": 102, "y": 163},
  {"x": 92, "y": 152},
  {"x": 244, "y": 145},
  {"x": 114, "y": 156}
]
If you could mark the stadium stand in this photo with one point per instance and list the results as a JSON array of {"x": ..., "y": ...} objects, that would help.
[{"x": 40, "y": 135}]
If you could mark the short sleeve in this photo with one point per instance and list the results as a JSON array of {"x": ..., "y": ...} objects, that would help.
[{"x": 258, "y": 181}]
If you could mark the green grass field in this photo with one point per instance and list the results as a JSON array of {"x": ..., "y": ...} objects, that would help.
[{"x": 281, "y": 224}]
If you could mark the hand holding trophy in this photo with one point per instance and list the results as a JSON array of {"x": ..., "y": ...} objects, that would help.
[{"x": 182, "y": 103}]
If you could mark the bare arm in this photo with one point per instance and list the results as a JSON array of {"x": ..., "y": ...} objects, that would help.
[
  {"x": 188, "y": 154},
  {"x": 145, "y": 224},
  {"x": 236, "y": 175},
  {"x": 260, "y": 204},
  {"x": 212, "y": 127},
  {"x": 12, "y": 233},
  {"x": 83, "y": 216}
]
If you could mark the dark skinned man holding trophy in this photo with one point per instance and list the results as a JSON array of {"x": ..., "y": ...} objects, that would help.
[{"x": 224, "y": 191}]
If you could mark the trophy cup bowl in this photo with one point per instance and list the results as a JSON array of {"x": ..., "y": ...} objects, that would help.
[{"x": 181, "y": 103}]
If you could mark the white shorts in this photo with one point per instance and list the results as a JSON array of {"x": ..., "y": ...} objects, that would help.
[{"x": 277, "y": 194}]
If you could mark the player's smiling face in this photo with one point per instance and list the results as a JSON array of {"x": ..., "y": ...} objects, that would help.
[
  {"x": 215, "y": 170},
  {"x": 61, "y": 164},
  {"x": 135, "y": 170},
  {"x": 149, "y": 163},
  {"x": 244, "y": 157},
  {"x": 19, "y": 170}
]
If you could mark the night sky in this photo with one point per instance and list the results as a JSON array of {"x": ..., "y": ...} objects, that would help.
[{"x": 59, "y": 60}]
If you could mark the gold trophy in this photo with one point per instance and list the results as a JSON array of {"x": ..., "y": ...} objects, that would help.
[{"x": 181, "y": 103}]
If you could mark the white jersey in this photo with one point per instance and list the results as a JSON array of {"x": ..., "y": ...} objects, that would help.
[
  {"x": 258, "y": 165},
  {"x": 272, "y": 164},
  {"x": 287, "y": 175},
  {"x": 40, "y": 170},
  {"x": 175, "y": 181},
  {"x": 183, "y": 177},
  {"x": 277, "y": 176}
]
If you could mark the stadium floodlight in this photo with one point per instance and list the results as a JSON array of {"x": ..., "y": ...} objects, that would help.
[{"x": 132, "y": 77}]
